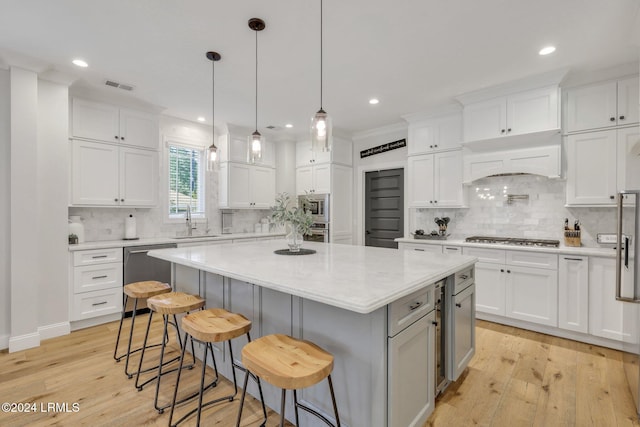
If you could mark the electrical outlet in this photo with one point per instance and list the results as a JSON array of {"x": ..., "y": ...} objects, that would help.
[{"x": 607, "y": 238}]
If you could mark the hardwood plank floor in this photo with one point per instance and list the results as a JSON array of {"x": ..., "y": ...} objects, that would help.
[{"x": 516, "y": 378}]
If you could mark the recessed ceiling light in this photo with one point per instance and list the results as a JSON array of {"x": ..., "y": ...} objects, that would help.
[
  {"x": 288, "y": 125},
  {"x": 201, "y": 119},
  {"x": 547, "y": 50},
  {"x": 80, "y": 63},
  {"x": 373, "y": 101}
]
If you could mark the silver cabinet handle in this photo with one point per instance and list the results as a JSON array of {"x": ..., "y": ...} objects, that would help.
[
  {"x": 573, "y": 259},
  {"x": 464, "y": 276},
  {"x": 415, "y": 305},
  {"x": 421, "y": 250},
  {"x": 99, "y": 277},
  {"x": 99, "y": 256},
  {"x": 99, "y": 303}
]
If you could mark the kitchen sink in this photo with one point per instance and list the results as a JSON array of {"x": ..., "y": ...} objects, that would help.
[{"x": 208, "y": 236}]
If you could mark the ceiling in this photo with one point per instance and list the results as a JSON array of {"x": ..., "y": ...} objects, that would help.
[{"x": 411, "y": 54}]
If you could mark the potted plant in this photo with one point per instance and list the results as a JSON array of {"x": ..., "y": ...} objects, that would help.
[
  {"x": 295, "y": 217},
  {"x": 73, "y": 239}
]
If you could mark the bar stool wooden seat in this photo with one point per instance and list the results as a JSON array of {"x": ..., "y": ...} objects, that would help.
[
  {"x": 168, "y": 305},
  {"x": 137, "y": 291},
  {"x": 209, "y": 326},
  {"x": 289, "y": 364}
]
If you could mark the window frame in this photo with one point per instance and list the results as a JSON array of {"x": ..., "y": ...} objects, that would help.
[{"x": 202, "y": 174}]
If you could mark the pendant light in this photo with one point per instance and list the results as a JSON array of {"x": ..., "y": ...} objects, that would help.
[
  {"x": 256, "y": 141},
  {"x": 212, "y": 151},
  {"x": 321, "y": 126}
]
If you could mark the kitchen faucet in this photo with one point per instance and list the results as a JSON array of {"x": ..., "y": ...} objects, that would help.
[{"x": 188, "y": 218}]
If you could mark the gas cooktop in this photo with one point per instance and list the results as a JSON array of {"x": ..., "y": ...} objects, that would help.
[{"x": 513, "y": 241}]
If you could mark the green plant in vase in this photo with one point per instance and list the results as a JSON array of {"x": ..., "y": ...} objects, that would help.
[{"x": 295, "y": 217}]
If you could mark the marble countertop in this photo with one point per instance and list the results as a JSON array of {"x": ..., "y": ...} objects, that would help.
[
  {"x": 356, "y": 278},
  {"x": 160, "y": 240},
  {"x": 562, "y": 249}
]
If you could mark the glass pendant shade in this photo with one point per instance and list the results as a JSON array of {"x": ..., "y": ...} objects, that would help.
[
  {"x": 321, "y": 131},
  {"x": 212, "y": 158},
  {"x": 256, "y": 142}
]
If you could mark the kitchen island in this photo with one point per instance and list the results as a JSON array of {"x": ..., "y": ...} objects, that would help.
[{"x": 372, "y": 308}]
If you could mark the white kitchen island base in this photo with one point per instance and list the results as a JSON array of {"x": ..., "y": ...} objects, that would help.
[{"x": 368, "y": 364}]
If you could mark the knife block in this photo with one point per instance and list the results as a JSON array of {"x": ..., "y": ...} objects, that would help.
[{"x": 572, "y": 238}]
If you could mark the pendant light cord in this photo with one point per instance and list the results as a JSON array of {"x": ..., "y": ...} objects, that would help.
[
  {"x": 321, "y": 55},
  {"x": 213, "y": 96},
  {"x": 256, "y": 81}
]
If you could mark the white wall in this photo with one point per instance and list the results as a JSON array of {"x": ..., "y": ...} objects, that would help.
[
  {"x": 390, "y": 160},
  {"x": 52, "y": 176},
  {"x": 286, "y": 166},
  {"x": 5, "y": 211}
]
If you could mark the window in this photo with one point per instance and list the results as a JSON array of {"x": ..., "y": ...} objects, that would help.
[{"x": 186, "y": 178}]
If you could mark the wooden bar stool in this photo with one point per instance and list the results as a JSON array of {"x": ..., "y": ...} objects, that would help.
[
  {"x": 168, "y": 305},
  {"x": 290, "y": 364},
  {"x": 136, "y": 290},
  {"x": 207, "y": 327}
]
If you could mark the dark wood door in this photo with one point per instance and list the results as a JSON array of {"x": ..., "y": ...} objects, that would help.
[{"x": 384, "y": 207}]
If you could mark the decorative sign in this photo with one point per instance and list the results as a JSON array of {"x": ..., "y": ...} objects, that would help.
[{"x": 383, "y": 148}]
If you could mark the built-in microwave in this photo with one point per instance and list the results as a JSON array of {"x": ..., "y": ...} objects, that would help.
[{"x": 318, "y": 205}]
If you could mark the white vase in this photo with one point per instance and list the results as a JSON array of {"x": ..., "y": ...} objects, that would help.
[{"x": 294, "y": 238}]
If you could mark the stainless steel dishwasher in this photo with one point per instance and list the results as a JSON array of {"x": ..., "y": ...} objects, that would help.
[{"x": 138, "y": 267}]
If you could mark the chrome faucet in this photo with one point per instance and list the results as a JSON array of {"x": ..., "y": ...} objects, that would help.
[{"x": 188, "y": 218}]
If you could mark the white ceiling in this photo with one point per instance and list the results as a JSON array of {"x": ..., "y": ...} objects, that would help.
[{"x": 411, "y": 54}]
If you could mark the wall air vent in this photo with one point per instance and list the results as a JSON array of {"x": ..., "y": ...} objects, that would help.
[{"x": 122, "y": 86}]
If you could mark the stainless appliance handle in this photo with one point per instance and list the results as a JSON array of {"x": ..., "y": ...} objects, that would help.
[
  {"x": 139, "y": 252},
  {"x": 620, "y": 247}
]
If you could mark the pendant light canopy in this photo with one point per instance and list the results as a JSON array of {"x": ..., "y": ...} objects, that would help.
[
  {"x": 256, "y": 140},
  {"x": 321, "y": 126},
  {"x": 212, "y": 151}
]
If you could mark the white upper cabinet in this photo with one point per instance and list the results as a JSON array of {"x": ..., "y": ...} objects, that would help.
[
  {"x": 234, "y": 147},
  {"x": 435, "y": 134},
  {"x": 519, "y": 113},
  {"x": 109, "y": 123},
  {"x": 628, "y": 148},
  {"x": 244, "y": 186},
  {"x": 109, "y": 175},
  {"x": 435, "y": 180},
  {"x": 313, "y": 179},
  {"x": 341, "y": 152},
  {"x": 602, "y": 105}
]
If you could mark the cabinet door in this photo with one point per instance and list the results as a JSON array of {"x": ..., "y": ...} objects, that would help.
[
  {"x": 263, "y": 187},
  {"x": 628, "y": 140},
  {"x": 423, "y": 137},
  {"x": 139, "y": 128},
  {"x": 608, "y": 317},
  {"x": 532, "y": 295},
  {"x": 463, "y": 331},
  {"x": 490, "y": 288},
  {"x": 532, "y": 111},
  {"x": 628, "y": 100},
  {"x": 322, "y": 178},
  {"x": 304, "y": 179},
  {"x": 411, "y": 374},
  {"x": 239, "y": 193},
  {"x": 421, "y": 247},
  {"x": 591, "y": 168},
  {"x": 448, "y": 178},
  {"x": 573, "y": 293},
  {"x": 591, "y": 107},
  {"x": 304, "y": 155},
  {"x": 421, "y": 172},
  {"x": 94, "y": 174},
  {"x": 93, "y": 120},
  {"x": 138, "y": 177},
  {"x": 485, "y": 119}
]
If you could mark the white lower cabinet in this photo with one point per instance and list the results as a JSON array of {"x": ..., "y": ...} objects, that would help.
[
  {"x": 96, "y": 283},
  {"x": 606, "y": 314},
  {"x": 411, "y": 373},
  {"x": 517, "y": 284},
  {"x": 420, "y": 247},
  {"x": 573, "y": 293}
]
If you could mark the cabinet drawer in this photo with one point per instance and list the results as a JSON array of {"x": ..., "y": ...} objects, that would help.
[
  {"x": 533, "y": 259},
  {"x": 97, "y": 256},
  {"x": 421, "y": 247},
  {"x": 407, "y": 310},
  {"x": 463, "y": 279},
  {"x": 88, "y": 278},
  {"x": 496, "y": 256},
  {"x": 97, "y": 303}
]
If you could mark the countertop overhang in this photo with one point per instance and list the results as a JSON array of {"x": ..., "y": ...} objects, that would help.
[{"x": 356, "y": 278}]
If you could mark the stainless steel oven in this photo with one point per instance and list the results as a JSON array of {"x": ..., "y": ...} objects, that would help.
[
  {"x": 318, "y": 205},
  {"x": 319, "y": 233}
]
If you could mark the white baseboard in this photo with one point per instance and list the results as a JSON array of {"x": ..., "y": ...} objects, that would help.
[
  {"x": 94, "y": 321},
  {"x": 54, "y": 330},
  {"x": 24, "y": 342},
  {"x": 4, "y": 342}
]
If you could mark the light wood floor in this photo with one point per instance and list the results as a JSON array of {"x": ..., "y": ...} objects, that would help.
[{"x": 516, "y": 378}]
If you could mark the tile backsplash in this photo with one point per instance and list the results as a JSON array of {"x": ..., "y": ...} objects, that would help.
[{"x": 539, "y": 214}]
